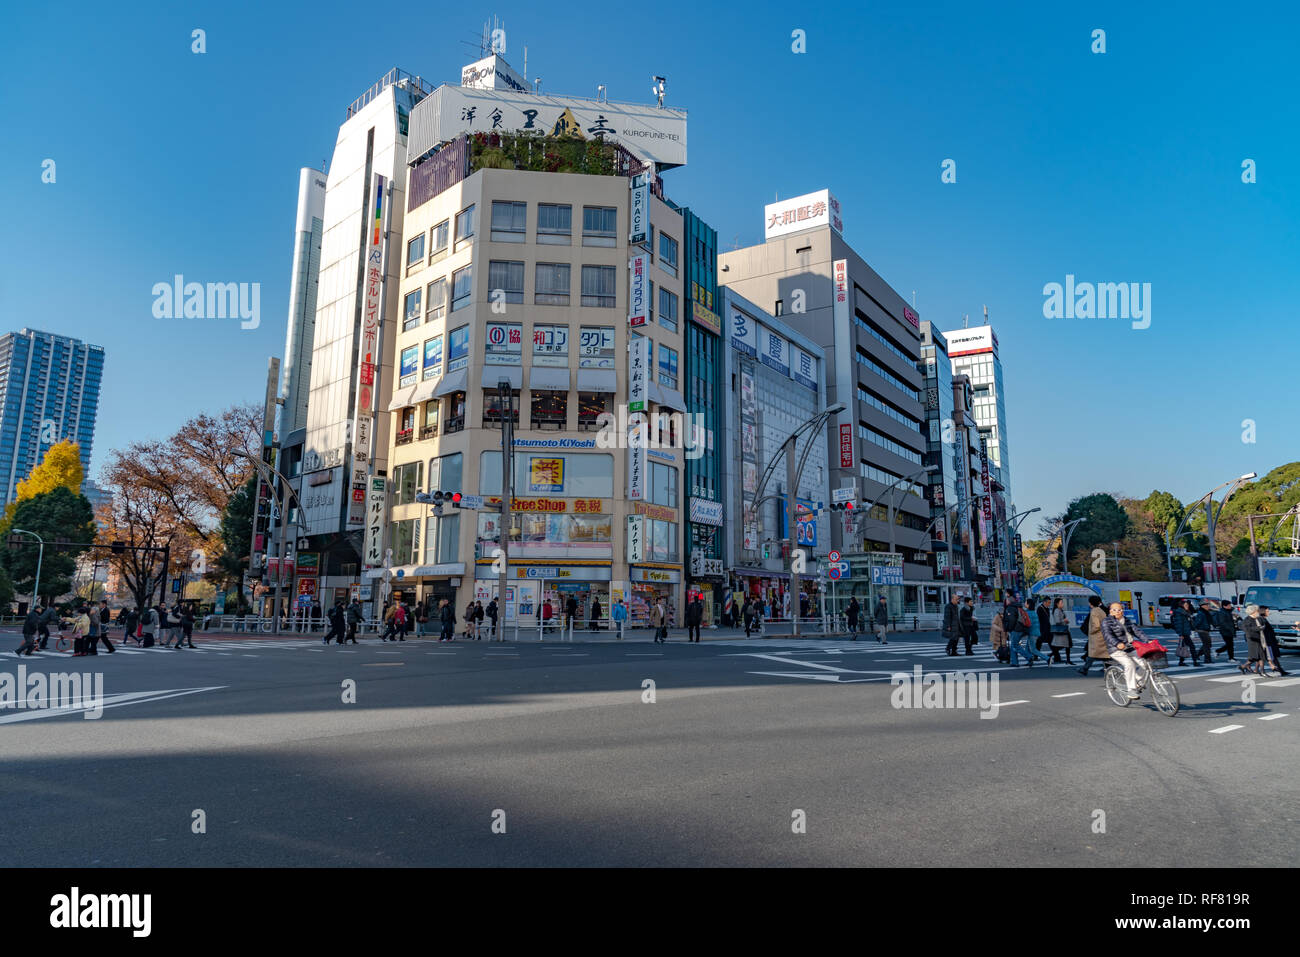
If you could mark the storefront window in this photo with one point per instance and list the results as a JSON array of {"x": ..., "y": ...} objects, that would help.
[
  {"x": 494, "y": 408},
  {"x": 578, "y": 475},
  {"x": 591, "y": 405},
  {"x": 550, "y": 409}
]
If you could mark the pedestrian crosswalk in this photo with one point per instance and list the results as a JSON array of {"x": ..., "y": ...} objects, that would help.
[{"x": 218, "y": 647}]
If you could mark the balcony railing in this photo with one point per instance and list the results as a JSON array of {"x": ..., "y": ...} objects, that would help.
[
  {"x": 428, "y": 432},
  {"x": 455, "y": 425},
  {"x": 404, "y": 436}
]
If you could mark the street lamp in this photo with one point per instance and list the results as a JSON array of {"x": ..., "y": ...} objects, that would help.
[
  {"x": 792, "y": 476},
  {"x": 1013, "y": 523},
  {"x": 265, "y": 470},
  {"x": 1066, "y": 530},
  {"x": 40, "y": 554},
  {"x": 1211, "y": 519}
]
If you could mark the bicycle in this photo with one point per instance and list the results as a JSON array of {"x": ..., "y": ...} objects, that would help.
[{"x": 1163, "y": 689}]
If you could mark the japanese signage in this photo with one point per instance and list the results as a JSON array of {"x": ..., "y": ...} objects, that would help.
[
  {"x": 706, "y": 318},
  {"x": 545, "y": 474},
  {"x": 967, "y": 342},
  {"x": 984, "y": 478},
  {"x": 637, "y": 466},
  {"x": 744, "y": 333},
  {"x": 653, "y": 132},
  {"x": 308, "y": 560},
  {"x": 307, "y": 588},
  {"x": 776, "y": 352},
  {"x": 492, "y": 73},
  {"x": 579, "y": 506},
  {"x": 368, "y": 354},
  {"x": 376, "y": 515},
  {"x": 638, "y": 374},
  {"x": 432, "y": 357},
  {"x": 802, "y": 212},
  {"x": 551, "y": 345},
  {"x": 846, "y": 446},
  {"x": 638, "y": 296},
  {"x": 704, "y": 512},
  {"x": 803, "y": 367},
  {"x": 595, "y": 347},
  {"x": 805, "y": 523},
  {"x": 458, "y": 349},
  {"x": 912, "y": 318},
  {"x": 660, "y": 513},
  {"x": 635, "y": 538},
  {"x": 886, "y": 575},
  {"x": 640, "y": 216},
  {"x": 840, "y": 296},
  {"x": 504, "y": 344}
]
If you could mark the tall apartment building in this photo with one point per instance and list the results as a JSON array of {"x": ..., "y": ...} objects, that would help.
[
  {"x": 49, "y": 391},
  {"x": 940, "y": 429},
  {"x": 303, "y": 285},
  {"x": 532, "y": 257},
  {"x": 809, "y": 277}
]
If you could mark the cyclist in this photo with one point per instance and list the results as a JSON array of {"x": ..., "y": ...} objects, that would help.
[{"x": 1120, "y": 633}]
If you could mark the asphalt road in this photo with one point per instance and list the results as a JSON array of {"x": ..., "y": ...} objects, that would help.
[{"x": 740, "y": 738}]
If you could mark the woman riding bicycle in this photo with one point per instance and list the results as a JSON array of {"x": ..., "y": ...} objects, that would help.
[{"x": 1120, "y": 633}]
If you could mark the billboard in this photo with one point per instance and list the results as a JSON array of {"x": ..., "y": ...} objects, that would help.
[
  {"x": 968, "y": 342},
  {"x": 802, "y": 212}
]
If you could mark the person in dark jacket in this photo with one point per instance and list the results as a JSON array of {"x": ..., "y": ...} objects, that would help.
[
  {"x": 353, "y": 618},
  {"x": 1203, "y": 624},
  {"x": 1272, "y": 653},
  {"x": 969, "y": 627},
  {"x": 594, "y": 619},
  {"x": 447, "y": 617},
  {"x": 1119, "y": 634},
  {"x": 31, "y": 625},
  {"x": 1226, "y": 622},
  {"x": 491, "y": 612},
  {"x": 49, "y": 617},
  {"x": 187, "y": 628},
  {"x": 1181, "y": 621},
  {"x": 570, "y": 612},
  {"x": 130, "y": 622},
  {"x": 694, "y": 618},
  {"x": 853, "y": 613},
  {"x": 105, "y": 620},
  {"x": 1044, "y": 626},
  {"x": 881, "y": 621},
  {"x": 952, "y": 622},
  {"x": 338, "y": 627},
  {"x": 748, "y": 613},
  {"x": 1252, "y": 626}
]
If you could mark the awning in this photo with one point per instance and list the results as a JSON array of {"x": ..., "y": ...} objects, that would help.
[
  {"x": 550, "y": 380},
  {"x": 668, "y": 398},
  {"x": 746, "y": 572},
  {"x": 495, "y": 374},
  {"x": 418, "y": 571},
  {"x": 457, "y": 381},
  {"x": 423, "y": 392},
  {"x": 597, "y": 380},
  {"x": 401, "y": 398}
]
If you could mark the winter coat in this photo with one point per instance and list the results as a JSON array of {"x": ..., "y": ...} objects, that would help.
[
  {"x": 447, "y": 615},
  {"x": 951, "y": 620},
  {"x": 1097, "y": 647},
  {"x": 1202, "y": 620},
  {"x": 354, "y": 614},
  {"x": 619, "y": 612},
  {"x": 1226, "y": 624},
  {"x": 695, "y": 613},
  {"x": 1254, "y": 630},
  {"x": 1116, "y": 630},
  {"x": 657, "y": 616},
  {"x": 997, "y": 632},
  {"x": 31, "y": 623},
  {"x": 854, "y": 610},
  {"x": 882, "y": 614},
  {"x": 1181, "y": 624}
]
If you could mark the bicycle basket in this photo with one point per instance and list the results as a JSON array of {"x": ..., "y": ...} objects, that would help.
[{"x": 1149, "y": 649}]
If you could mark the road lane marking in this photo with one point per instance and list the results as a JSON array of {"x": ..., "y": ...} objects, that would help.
[
  {"x": 384, "y": 664},
  {"x": 1072, "y": 694},
  {"x": 1226, "y": 728},
  {"x": 1271, "y": 717},
  {"x": 1286, "y": 683},
  {"x": 1004, "y": 704}
]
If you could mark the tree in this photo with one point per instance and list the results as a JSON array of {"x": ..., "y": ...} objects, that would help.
[
  {"x": 59, "y": 516},
  {"x": 236, "y": 533},
  {"x": 1105, "y": 522},
  {"x": 59, "y": 468},
  {"x": 141, "y": 519},
  {"x": 1036, "y": 560},
  {"x": 6, "y": 591},
  {"x": 1164, "y": 511}
]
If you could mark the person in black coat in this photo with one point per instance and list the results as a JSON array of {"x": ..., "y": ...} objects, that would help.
[
  {"x": 1044, "y": 626},
  {"x": 1203, "y": 624},
  {"x": 854, "y": 612},
  {"x": 1181, "y": 620},
  {"x": 1227, "y": 625},
  {"x": 338, "y": 626},
  {"x": 31, "y": 625},
  {"x": 1252, "y": 626},
  {"x": 595, "y": 614},
  {"x": 694, "y": 617},
  {"x": 968, "y": 624},
  {"x": 570, "y": 612},
  {"x": 447, "y": 617},
  {"x": 952, "y": 623},
  {"x": 1272, "y": 653}
]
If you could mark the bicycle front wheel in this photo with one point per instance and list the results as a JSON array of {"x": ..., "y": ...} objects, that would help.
[
  {"x": 1165, "y": 693},
  {"x": 1116, "y": 687}
]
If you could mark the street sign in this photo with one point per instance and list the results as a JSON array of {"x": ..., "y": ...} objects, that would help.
[
  {"x": 886, "y": 575},
  {"x": 847, "y": 494},
  {"x": 835, "y": 573},
  {"x": 834, "y": 556},
  {"x": 471, "y": 501}
]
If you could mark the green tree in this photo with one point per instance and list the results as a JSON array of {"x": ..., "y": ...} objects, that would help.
[
  {"x": 64, "y": 519},
  {"x": 236, "y": 532},
  {"x": 1105, "y": 522},
  {"x": 6, "y": 591}
]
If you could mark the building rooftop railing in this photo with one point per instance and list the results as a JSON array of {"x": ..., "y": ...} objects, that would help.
[{"x": 394, "y": 77}]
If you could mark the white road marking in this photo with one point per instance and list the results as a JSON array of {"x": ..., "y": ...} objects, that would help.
[
  {"x": 1004, "y": 704},
  {"x": 1226, "y": 728},
  {"x": 109, "y": 701},
  {"x": 1072, "y": 694},
  {"x": 1271, "y": 717},
  {"x": 1284, "y": 683}
]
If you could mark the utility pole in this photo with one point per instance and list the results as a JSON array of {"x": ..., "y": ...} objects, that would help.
[
  {"x": 507, "y": 491},
  {"x": 791, "y": 535}
]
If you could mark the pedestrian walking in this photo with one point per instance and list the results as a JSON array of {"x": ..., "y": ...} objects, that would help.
[
  {"x": 1203, "y": 624},
  {"x": 1044, "y": 626},
  {"x": 148, "y": 626},
  {"x": 31, "y": 627},
  {"x": 447, "y": 618},
  {"x": 619, "y": 615},
  {"x": 1181, "y": 621},
  {"x": 92, "y": 635},
  {"x": 595, "y": 614},
  {"x": 747, "y": 615},
  {"x": 570, "y": 612},
  {"x": 353, "y": 618},
  {"x": 1272, "y": 653},
  {"x": 187, "y": 627},
  {"x": 1226, "y": 622},
  {"x": 492, "y": 613},
  {"x": 881, "y": 621},
  {"x": 694, "y": 618},
  {"x": 969, "y": 627},
  {"x": 390, "y": 623},
  {"x": 49, "y": 618},
  {"x": 659, "y": 621},
  {"x": 1253, "y": 628},
  {"x": 469, "y": 622},
  {"x": 337, "y": 625},
  {"x": 854, "y": 612},
  {"x": 1061, "y": 640},
  {"x": 130, "y": 619},
  {"x": 478, "y": 618},
  {"x": 951, "y": 628},
  {"x": 1094, "y": 648},
  {"x": 99, "y": 622},
  {"x": 403, "y": 619},
  {"x": 81, "y": 632},
  {"x": 997, "y": 634},
  {"x": 1024, "y": 643}
]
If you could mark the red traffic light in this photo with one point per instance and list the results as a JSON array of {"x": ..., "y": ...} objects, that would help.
[
  {"x": 455, "y": 498},
  {"x": 849, "y": 506}
]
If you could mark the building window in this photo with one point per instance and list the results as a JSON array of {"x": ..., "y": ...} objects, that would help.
[
  {"x": 505, "y": 279},
  {"x": 432, "y": 358},
  {"x": 430, "y": 427},
  {"x": 436, "y": 307},
  {"x": 439, "y": 242},
  {"x": 552, "y": 284},
  {"x": 462, "y": 287},
  {"x": 415, "y": 252},
  {"x": 446, "y": 472},
  {"x": 591, "y": 406},
  {"x": 494, "y": 408},
  {"x": 509, "y": 221},
  {"x": 598, "y": 287},
  {"x": 661, "y": 541},
  {"x": 663, "y": 485},
  {"x": 401, "y": 537},
  {"x": 596, "y": 347},
  {"x": 779, "y": 309},
  {"x": 455, "y": 413},
  {"x": 464, "y": 227},
  {"x": 411, "y": 310},
  {"x": 408, "y": 479},
  {"x": 550, "y": 345},
  {"x": 667, "y": 366},
  {"x": 405, "y": 426},
  {"x": 550, "y": 409},
  {"x": 599, "y": 226},
  {"x": 554, "y": 224},
  {"x": 408, "y": 370},
  {"x": 668, "y": 254},
  {"x": 667, "y": 309}
]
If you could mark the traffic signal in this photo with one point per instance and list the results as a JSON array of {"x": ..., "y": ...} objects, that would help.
[
  {"x": 445, "y": 498},
  {"x": 841, "y": 506}
]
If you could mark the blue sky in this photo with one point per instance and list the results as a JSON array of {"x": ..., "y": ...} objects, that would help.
[{"x": 1118, "y": 167}]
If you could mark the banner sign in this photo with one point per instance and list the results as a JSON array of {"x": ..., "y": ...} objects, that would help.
[
  {"x": 846, "y": 446},
  {"x": 376, "y": 514},
  {"x": 640, "y": 216},
  {"x": 638, "y": 374},
  {"x": 638, "y": 295},
  {"x": 635, "y": 538}
]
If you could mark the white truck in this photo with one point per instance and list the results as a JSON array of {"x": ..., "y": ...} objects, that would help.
[{"x": 1279, "y": 589}]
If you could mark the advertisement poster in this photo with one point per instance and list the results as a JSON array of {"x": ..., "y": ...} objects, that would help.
[{"x": 545, "y": 474}]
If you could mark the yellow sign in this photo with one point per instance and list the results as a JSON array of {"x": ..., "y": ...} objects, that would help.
[
  {"x": 545, "y": 475},
  {"x": 706, "y": 318},
  {"x": 567, "y": 125},
  {"x": 660, "y": 512},
  {"x": 1126, "y": 597},
  {"x": 581, "y": 506}
]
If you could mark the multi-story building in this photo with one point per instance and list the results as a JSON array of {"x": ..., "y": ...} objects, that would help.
[
  {"x": 519, "y": 266},
  {"x": 303, "y": 286},
  {"x": 808, "y": 276},
  {"x": 776, "y": 382},
  {"x": 974, "y": 353},
  {"x": 356, "y": 319},
  {"x": 49, "y": 392},
  {"x": 940, "y": 430}
]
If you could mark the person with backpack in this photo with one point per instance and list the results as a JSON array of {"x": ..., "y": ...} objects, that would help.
[
  {"x": 1024, "y": 640},
  {"x": 337, "y": 624},
  {"x": 1226, "y": 622},
  {"x": 951, "y": 628},
  {"x": 105, "y": 619},
  {"x": 148, "y": 624},
  {"x": 390, "y": 623}
]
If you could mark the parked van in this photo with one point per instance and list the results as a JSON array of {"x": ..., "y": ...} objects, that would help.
[
  {"x": 1283, "y": 603},
  {"x": 1165, "y": 606}
]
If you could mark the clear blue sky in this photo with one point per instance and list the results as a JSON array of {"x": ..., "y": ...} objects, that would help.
[{"x": 1124, "y": 166}]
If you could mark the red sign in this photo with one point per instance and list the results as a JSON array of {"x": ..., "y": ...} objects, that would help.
[
  {"x": 307, "y": 586},
  {"x": 846, "y": 445}
]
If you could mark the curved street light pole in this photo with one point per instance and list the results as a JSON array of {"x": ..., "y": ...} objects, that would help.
[
  {"x": 278, "y": 491},
  {"x": 1211, "y": 520},
  {"x": 1013, "y": 523},
  {"x": 40, "y": 555}
]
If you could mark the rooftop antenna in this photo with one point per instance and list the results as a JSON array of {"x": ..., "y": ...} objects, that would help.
[
  {"x": 537, "y": 85},
  {"x": 913, "y": 298},
  {"x": 658, "y": 88},
  {"x": 965, "y": 321},
  {"x": 986, "y": 315},
  {"x": 525, "y": 64},
  {"x": 600, "y": 94}
]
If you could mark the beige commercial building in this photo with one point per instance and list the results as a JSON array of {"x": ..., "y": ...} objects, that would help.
[{"x": 523, "y": 276}]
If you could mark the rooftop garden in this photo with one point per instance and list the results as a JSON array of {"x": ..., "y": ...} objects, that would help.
[{"x": 548, "y": 154}]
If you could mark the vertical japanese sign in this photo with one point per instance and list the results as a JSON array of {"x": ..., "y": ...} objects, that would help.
[
  {"x": 638, "y": 297},
  {"x": 640, "y": 218},
  {"x": 843, "y": 360},
  {"x": 376, "y": 513},
  {"x": 638, "y": 440},
  {"x": 635, "y": 538},
  {"x": 368, "y": 355},
  {"x": 638, "y": 374}
]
